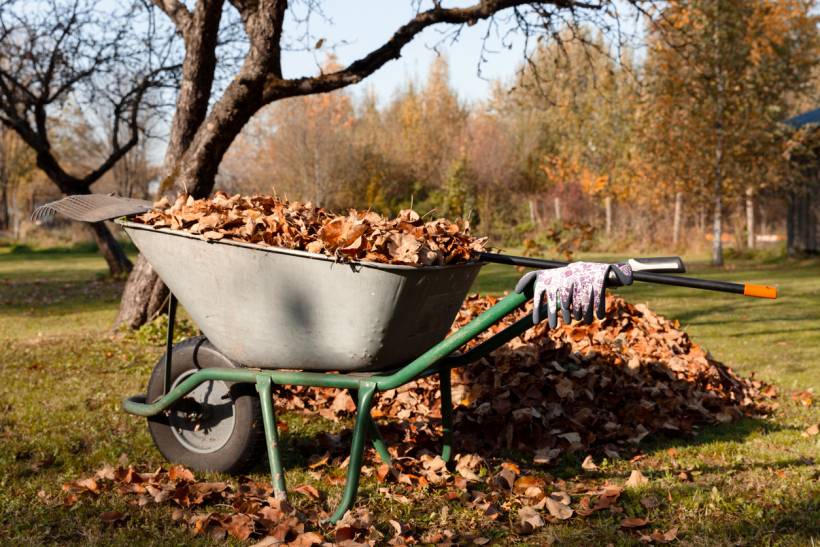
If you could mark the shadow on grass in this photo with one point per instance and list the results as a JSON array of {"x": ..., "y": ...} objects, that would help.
[
  {"x": 49, "y": 297},
  {"x": 307, "y": 436},
  {"x": 18, "y": 250}
]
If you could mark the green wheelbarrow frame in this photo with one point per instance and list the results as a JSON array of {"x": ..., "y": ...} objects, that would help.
[{"x": 439, "y": 359}]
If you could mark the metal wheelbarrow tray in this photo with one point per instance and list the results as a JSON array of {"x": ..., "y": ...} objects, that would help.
[{"x": 274, "y": 308}]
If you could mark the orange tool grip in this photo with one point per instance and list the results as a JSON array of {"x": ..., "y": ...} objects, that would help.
[{"x": 759, "y": 291}]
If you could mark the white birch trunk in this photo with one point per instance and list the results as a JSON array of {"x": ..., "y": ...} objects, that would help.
[
  {"x": 676, "y": 221},
  {"x": 717, "y": 220},
  {"x": 750, "y": 218}
]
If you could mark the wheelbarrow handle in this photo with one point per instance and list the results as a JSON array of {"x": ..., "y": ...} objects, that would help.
[{"x": 646, "y": 272}]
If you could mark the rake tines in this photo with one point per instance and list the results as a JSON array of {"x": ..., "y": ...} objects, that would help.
[{"x": 91, "y": 208}]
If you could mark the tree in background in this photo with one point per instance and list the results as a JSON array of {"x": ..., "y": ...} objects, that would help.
[
  {"x": 571, "y": 108},
  {"x": 203, "y": 129},
  {"x": 56, "y": 57},
  {"x": 719, "y": 73},
  {"x": 16, "y": 170}
]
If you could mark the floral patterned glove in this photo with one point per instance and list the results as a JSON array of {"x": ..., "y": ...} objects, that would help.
[{"x": 578, "y": 289}]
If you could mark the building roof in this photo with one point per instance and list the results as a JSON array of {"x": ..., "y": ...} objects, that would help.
[{"x": 812, "y": 116}]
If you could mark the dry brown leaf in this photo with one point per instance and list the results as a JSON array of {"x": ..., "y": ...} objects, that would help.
[
  {"x": 522, "y": 484},
  {"x": 811, "y": 431},
  {"x": 180, "y": 473},
  {"x": 558, "y": 509},
  {"x": 588, "y": 464},
  {"x": 307, "y": 539},
  {"x": 634, "y": 522},
  {"x": 239, "y": 526},
  {"x": 308, "y": 490},
  {"x": 660, "y": 537},
  {"x": 113, "y": 517},
  {"x": 636, "y": 480},
  {"x": 316, "y": 462},
  {"x": 529, "y": 520}
]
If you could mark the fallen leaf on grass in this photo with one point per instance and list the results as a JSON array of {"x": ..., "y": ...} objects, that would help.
[
  {"x": 307, "y": 539},
  {"x": 316, "y": 462},
  {"x": 659, "y": 536},
  {"x": 811, "y": 431},
  {"x": 113, "y": 517},
  {"x": 308, "y": 490},
  {"x": 238, "y": 525},
  {"x": 636, "y": 480},
  {"x": 588, "y": 464},
  {"x": 522, "y": 484},
  {"x": 634, "y": 522},
  {"x": 558, "y": 506},
  {"x": 528, "y": 521},
  {"x": 805, "y": 398},
  {"x": 180, "y": 473}
]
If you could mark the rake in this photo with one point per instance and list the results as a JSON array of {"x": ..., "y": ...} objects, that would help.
[{"x": 91, "y": 208}]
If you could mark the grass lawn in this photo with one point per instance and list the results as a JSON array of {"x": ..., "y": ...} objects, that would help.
[{"x": 753, "y": 482}]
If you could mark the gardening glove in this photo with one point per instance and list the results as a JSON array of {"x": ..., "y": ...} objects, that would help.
[{"x": 578, "y": 289}]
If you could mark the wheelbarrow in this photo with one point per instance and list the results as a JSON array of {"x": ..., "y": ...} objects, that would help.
[
  {"x": 275, "y": 316},
  {"x": 272, "y": 316}
]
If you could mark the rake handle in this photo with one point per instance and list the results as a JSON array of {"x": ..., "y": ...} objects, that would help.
[{"x": 746, "y": 289}]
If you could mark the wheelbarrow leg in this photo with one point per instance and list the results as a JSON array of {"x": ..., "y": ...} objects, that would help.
[
  {"x": 446, "y": 416},
  {"x": 263, "y": 386},
  {"x": 378, "y": 442},
  {"x": 354, "y": 467},
  {"x": 376, "y": 436}
]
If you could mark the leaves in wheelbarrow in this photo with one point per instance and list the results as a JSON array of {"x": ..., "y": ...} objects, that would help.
[{"x": 357, "y": 235}]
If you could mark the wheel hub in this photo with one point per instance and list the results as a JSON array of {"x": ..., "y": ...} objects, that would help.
[{"x": 204, "y": 421}]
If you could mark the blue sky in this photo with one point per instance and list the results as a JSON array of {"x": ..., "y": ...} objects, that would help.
[{"x": 364, "y": 25}]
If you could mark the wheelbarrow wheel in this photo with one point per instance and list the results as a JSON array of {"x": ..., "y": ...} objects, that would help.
[{"x": 216, "y": 427}]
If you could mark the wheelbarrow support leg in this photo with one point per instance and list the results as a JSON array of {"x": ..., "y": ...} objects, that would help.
[
  {"x": 354, "y": 467},
  {"x": 378, "y": 442},
  {"x": 376, "y": 438},
  {"x": 263, "y": 386},
  {"x": 446, "y": 416},
  {"x": 169, "y": 342}
]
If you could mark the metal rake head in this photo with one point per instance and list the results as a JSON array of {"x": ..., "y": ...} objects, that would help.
[{"x": 91, "y": 208}]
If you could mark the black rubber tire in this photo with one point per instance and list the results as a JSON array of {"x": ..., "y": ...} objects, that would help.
[{"x": 246, "y": 443}]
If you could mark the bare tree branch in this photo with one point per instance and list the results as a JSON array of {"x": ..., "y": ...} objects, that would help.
[
  {"x": 276, "y": 88},
  {"x": 177, "y": 12}
]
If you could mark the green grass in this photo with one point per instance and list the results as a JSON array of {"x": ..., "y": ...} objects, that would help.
[{"x": 754, "y": 482}]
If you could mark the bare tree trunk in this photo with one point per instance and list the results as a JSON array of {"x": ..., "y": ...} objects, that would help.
[
  {"x": 118, "y": 263},
  {"x": 608, "y": 206},
  {"x": 4, "y": 207},
  {"x": 750, "y": 218},
  {"x": 557, "y": 204},
  {"x": 145, "y": 293},
  {"x": 142, "y": 286},
  {"x": 533, "y": 216},
  {"x": 676, "y": 221}
]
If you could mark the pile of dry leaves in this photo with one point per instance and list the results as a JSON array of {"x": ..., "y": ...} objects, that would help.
[
  {"x": 603, "y": 386},
  {"x": 595, "y": 390},
  {"x": 359, "y": 235}
]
